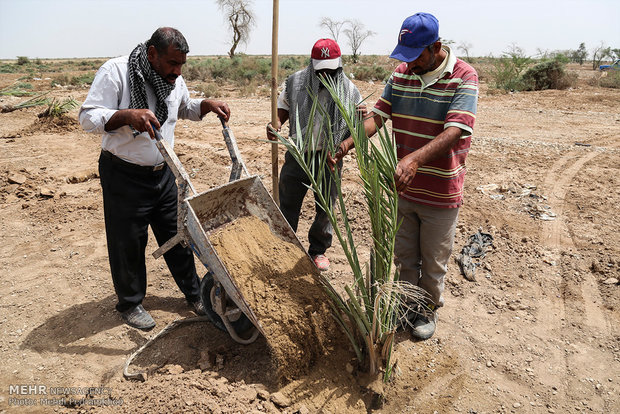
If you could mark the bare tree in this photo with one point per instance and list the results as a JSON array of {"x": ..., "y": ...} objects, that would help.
[
  {"x": 356, "y": 34},
  {"x": 599, "y": 54},
  {"x": 334, "y": 26},
  {"x": 465, "y": 48},
  {"x": 241, "y": 20}
]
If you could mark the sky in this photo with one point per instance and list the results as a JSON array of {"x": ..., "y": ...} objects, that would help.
[{"x": 108, "y": 28}]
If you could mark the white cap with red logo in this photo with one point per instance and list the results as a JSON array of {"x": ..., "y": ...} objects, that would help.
[{"x": 326, "y": 55}]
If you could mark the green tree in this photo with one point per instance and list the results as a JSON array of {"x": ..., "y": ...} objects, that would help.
[
  {"x": 508, "y": 68},
  {"x": 580, "y": 55}
]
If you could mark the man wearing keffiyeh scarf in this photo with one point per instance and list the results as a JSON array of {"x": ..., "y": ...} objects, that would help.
[
  {"x": 295, "y": 104},
  {"x": 140, "y": 73},
  {"x": 129, "y": 98}
]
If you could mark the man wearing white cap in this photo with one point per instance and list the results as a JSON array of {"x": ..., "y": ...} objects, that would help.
[
  {"x": 294, "y": 104},
  {"x": 431, "y": 99}
]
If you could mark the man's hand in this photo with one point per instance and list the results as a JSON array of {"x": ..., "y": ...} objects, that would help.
[
  {"x": 142, "y": 120},
  {"x": 219, "y": 108},
  {"x": 409, "y": 164},
  {"x": 405, "y": 171},
  {"x": 270, "y": 135},
  {"x": 361, "y": 111},
  {"x": 342, "y": 150}
]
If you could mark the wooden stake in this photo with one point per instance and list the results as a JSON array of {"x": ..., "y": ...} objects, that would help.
[{"x": 274, "y": 100}]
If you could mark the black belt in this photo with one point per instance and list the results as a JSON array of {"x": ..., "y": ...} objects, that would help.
[{"x": 132, "y": 166}]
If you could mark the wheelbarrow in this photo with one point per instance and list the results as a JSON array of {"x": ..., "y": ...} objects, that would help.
[{"x": 199, "y": 214}]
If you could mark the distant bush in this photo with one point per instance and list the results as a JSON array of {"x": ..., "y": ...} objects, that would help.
[
  {"x": 374, "y": 73},
  {"x": 23, "y": 60},
  {"x": 17, "y": 89},
  {"x": 507, "y": 69},
  {"x": 61, "y": 80},
  {"x": 23, "y": 85},
  {"x": 293, "y": 63},
  {"x": 83, "y": 79},
  {"x": 241, "y": 69},
  {"x": 8, "y": 68},
  {"x": 546, "y": 75},
  {"x": 209, "y": 89},
  {"x": 66, "y": 80},
  {"x": 611, "y": 80}
]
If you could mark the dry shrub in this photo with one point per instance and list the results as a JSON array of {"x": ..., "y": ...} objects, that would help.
[
  {"x": 209, "y": 89},
  {"x": 251, "y": 88},
  {"x": 373, "y": 73},
  {"x": 610, "y": 79}
]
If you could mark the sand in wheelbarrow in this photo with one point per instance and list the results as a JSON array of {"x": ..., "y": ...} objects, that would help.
[{"x": 281, "y": 285}]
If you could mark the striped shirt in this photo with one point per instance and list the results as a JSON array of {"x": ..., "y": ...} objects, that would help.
[{"x": 419, "y": 112}]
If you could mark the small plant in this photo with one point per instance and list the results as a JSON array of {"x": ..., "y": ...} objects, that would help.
[
  {"x": 36, "y": 101},
  {"x": 374, "y": 304},
  {"x": 57, "y": 108},
  {"x": 18, "y": 89},
  {"x": 23, "y": 60}
]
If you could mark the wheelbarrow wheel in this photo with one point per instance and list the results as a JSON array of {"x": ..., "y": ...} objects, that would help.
[{"x": 241, "y": 326}]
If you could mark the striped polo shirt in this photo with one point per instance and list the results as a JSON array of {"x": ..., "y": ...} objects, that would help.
[{"x": 419, "y": 112}]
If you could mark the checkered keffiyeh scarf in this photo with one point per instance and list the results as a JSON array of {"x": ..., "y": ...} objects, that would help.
[
  {"x": 298, "y": 86},
  {"x": 141, "y": 72}
]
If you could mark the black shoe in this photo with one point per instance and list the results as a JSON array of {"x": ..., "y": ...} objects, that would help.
[
  {"x": 138, "y": 317},
  {"x": 426, "y": 323},
  {"x": 198, "y": 307}
]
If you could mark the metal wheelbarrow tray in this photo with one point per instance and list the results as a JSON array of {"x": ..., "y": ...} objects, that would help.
[{"x": 201, "y": 214}]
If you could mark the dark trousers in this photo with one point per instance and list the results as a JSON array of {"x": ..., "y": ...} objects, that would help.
[
  {"x": 292, "y": 189},
  {"x": 135, "y": 197}
]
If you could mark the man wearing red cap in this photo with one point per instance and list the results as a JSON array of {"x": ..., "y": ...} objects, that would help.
[
  {"x": 295, "y": 104},
  {"x": 431, "y": 99}
]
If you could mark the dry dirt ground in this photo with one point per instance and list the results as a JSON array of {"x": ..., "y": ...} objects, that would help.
[{"x": 537, "y": 331}]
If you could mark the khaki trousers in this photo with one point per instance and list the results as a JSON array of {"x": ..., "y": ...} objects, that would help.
[{"x": 423, "y": 246}]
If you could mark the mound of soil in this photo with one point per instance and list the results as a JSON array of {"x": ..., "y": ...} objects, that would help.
[
  {"x": 282, "y": 286},
  {"x": 52, "y": 125}
]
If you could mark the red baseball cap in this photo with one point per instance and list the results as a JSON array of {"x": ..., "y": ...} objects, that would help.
[{"x": 326, "y": 55}]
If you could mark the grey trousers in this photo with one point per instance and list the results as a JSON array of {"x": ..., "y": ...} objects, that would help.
[{"x": 423, "y": 246}]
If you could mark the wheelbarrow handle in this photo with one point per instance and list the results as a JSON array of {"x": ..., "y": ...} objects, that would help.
[
  {"x": 158, "y": 136},
  {"x": 235, "y": 156}
]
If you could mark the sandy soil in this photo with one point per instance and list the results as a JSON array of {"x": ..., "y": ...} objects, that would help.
[{"x": 537, "y": 331}]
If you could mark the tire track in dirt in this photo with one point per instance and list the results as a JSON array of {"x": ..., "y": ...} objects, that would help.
[
  {"x": 554, "y": 232},
  {"x": 579, "y": 306}
]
